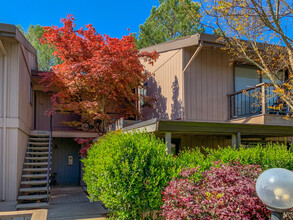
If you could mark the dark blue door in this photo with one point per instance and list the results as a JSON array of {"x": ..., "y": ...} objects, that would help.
[{"x": 65, "y": 161}]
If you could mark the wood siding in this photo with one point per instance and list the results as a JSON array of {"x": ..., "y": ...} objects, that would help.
[
  {"x": 204, "y": 141},
  {"x": 26, "y": 64},
  {"x": 11, "y": 48},
  {"x": 19, "y": 114},
  {"x": 166, "y": 87},
  {"x": 207, "y": 82},
  {"x": 42, "y": 105}
]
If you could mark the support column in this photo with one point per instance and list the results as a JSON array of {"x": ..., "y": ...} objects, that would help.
[
  {"x": 168, "y": 142},
  {"x": 236, "y": 140}
]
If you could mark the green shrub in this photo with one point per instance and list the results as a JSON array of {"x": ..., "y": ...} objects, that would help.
[
  {"x": 267, "y": 156},
  {"x": 128, "y": 172}
]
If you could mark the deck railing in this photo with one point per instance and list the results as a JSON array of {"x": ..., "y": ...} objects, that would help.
[
  {"x": 255, "y": 101},
  {"x": 61, "y": 120}
]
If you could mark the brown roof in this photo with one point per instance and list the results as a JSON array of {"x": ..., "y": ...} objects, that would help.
[
  {"x": 10, "y": 30},
  {"x": 193, "y": 40}
]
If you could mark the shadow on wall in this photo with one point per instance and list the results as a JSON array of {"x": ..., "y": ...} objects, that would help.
[
  {"x": 177, "y": 109},
  {"x": 158, "y": 108}
]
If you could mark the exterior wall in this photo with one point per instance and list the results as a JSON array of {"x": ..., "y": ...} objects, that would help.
[
  {"x": 210, "y": 141},
  {"x": 42, "y": 105},
  {"x": 16, "y": 124},
  {"x": 207, "y": 82},
  {"x": 166, "y": 87},
  {"x": 26, "y": 64}
]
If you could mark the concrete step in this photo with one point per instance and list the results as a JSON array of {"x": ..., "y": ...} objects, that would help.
[
  {"x": 36, "y": 164},
  {"x": 37, "y": 132},
  {"x": 32, "y": 197},
  {"x": 34, "y": 175},
  {"x": 39, "y": 143},
  {"x": 39, "y": 139},
  {"x": 35, "y": 169},
  {"x": 37, "y": 153},
  {"x": 36, "y": 158},
  {"x": 33, "y": 189},
  {"x": 38, "y": 148},
  {"x": 34, "y": 182},
  {"x": 32, "y": 205}
]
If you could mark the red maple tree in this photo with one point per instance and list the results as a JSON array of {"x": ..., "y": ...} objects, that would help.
[{"x": 98, "y": 75}]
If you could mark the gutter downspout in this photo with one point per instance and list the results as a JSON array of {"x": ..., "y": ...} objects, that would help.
[
  {"x": 183, "y": 77},
  {"x": 193, "y": 56},
  {"x": 4, "y": 165}
]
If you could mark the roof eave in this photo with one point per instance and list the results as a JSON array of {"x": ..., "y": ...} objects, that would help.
[{"x": 11, "y": 31}]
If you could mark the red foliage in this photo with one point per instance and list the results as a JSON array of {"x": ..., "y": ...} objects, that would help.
[
  {"x": 223, "y": 192},
  {"x": 98, "y": 73},
  {"x": 85, "y": 143}
]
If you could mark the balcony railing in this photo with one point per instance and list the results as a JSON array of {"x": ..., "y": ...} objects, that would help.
[
  {"x": 255, "y": 101},
  {"x": 61, "y": 121}
]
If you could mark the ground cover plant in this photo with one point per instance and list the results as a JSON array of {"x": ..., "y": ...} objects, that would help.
[
  {"x": 225, "y": 191},
  {"x": 128, "y": 172}
]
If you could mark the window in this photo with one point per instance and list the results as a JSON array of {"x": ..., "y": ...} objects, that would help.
[
  {"x": 246, "y": 77},
  {"x": 142, "y": 92}
]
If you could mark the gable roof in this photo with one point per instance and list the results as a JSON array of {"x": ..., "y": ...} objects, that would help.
[
  {"x": 11, "y": 31},
  {"x": 188, "y": 41}
]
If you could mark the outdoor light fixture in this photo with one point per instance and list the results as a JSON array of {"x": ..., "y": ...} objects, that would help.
[{"x": 275, "y": 189}]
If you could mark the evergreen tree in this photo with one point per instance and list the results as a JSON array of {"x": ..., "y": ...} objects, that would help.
[
  {"x": 171, "y": 20},
  {"x": 46, "y": 59}
]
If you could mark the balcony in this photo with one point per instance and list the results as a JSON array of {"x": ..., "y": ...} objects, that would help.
[
  {"x": 61, "y": 121},
  {"x": 254, "y": 105}
]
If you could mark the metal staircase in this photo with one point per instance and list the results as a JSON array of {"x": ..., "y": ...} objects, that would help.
[{"x": 34, "y": 189}]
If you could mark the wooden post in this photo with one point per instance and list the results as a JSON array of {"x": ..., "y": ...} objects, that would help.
[
  {"x": 236, "y": 140},
  {"x": 168, "y": 142},
  {"x": 263, "y": 99}
]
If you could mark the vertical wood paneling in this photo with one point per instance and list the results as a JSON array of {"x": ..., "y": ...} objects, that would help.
[
  {"x": 12, "y": 77},
  {"x": 210, "y": 141},
  {"x": 42, "y": 105},
  {"x": 209, "y": 82},
  {"x": 166, "y": 87},
  {"x": 1, "y": 84},
  {"x": 25, "y": 107}
]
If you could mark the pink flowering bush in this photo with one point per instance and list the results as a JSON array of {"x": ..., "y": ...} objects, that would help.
[{"x": 225, "y": 191}]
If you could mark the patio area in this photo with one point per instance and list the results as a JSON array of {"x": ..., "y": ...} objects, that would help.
[{"x": 72, "y": 203}]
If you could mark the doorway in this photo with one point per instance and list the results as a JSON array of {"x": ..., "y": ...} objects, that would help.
[{"x": 65, "y": 162}]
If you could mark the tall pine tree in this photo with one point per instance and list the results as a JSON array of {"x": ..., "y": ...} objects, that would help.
[{"x": 171, "y": 20}]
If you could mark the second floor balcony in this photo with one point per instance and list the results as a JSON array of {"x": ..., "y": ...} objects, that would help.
[{"x": 258, "y": 105}]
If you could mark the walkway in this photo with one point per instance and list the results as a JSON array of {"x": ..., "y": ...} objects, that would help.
[{"x": 71, "y": 203}]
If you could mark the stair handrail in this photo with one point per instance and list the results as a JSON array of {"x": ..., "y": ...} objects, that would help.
[{"x": 49, "y": 158}]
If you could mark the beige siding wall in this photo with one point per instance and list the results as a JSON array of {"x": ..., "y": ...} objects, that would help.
[
  {"x": 1, "y": 161},
  {"x": 25, "y": 109},
  {"x": 1, "y": 83},
  {"x": 12, "y": 76},
  {"x": 22, "y": 141},
  {"x": 12, "y": 178},
  {"x": 166, "y": 87},
  {"x": 19, "y": 115},
  {"x": 207, "y": 82}
]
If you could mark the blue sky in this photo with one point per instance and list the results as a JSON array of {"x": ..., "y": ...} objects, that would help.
[{"x": 111, "y": 17}]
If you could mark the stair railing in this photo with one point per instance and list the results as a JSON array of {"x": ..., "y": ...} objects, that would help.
[{"x": 49, "y": 159}]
